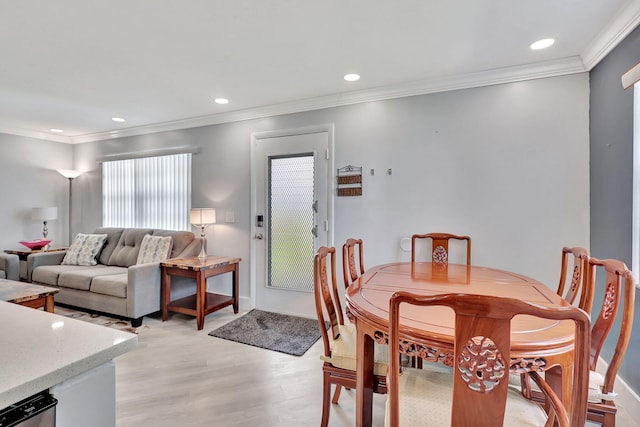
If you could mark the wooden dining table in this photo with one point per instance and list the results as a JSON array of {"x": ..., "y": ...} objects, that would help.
[{"x": 536, "y": 344}]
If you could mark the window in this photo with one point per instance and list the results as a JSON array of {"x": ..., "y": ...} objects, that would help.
[
  {"x": 149, "y": 192},
  {"x": 291, "y": 220}
]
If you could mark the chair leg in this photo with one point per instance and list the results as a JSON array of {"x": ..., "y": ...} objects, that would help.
[
  {"x": 609, "y": 420},
  {"x": 416, "y": 362},
  {"x": 525, "y": 386},
  {"x": 326, "y": 392},
  {"x": 336, "y": 394}
]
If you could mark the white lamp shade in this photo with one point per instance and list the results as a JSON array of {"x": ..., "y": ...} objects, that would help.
[
  {"x": 69, "y": 173},
  {"x": 44, "y": 214},
  {"x": 202, "y": 216}
]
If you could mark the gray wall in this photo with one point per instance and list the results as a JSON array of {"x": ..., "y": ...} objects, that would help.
[
  {"x": 29, "y": 179},
  {"x": 611, "y": 147},
  {"x": 506, "y": 164}
]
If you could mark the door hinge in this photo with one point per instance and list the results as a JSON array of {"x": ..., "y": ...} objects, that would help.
[
  {"x": 314, "y": 231},
  {"x": 314, "y": 206}
]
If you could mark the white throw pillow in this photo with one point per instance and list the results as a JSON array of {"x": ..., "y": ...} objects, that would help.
[
  {"x": 85, "y": 249},
  {"x": 154, "y": 249}
]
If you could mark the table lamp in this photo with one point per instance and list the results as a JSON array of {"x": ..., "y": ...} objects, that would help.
[
  {"x": 44, "y": 215},
  {"x": 201, "y": 217}
]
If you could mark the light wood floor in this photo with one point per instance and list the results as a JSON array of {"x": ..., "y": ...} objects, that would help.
[{"x": 178, "y": 376}]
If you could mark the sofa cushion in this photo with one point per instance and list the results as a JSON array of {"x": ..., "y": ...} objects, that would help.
[
  {"x": 48, "y": 274},
  {"x": 126, "y": 251},
  {"x": 112, "y": 284},
  {"x": 181, "y": 239},
  {"x": 81, "y": 279},
  {"x": 154, "y": 249},
  {"x": 84, "y": 249},
  {"x": 113, "y": 237}
]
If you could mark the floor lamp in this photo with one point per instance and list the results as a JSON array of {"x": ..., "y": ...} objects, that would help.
[{"x": 69, "y": 174}]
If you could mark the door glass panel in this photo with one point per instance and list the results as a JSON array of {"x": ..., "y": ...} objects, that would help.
[{"x": 291, "y": 220}]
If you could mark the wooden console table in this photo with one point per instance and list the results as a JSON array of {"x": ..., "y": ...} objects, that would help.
[{"x": 202, "y": 302}]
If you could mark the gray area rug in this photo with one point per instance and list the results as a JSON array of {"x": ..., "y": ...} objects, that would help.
[{"x": 272, "y": 331}]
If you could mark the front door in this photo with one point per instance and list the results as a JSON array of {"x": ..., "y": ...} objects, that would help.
[{"x": 290, "y": 217}]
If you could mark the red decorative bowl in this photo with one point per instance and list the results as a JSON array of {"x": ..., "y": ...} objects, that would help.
[{"x": 35, "y": 244}]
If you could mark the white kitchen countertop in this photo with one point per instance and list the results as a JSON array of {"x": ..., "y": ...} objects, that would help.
[{"x": 39, "y": 350}]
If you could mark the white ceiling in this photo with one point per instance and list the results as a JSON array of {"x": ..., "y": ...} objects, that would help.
[{"x": 75, "y": 64}]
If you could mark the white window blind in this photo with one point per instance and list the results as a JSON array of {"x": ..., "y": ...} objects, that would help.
[{"x": 150, "y": 192}]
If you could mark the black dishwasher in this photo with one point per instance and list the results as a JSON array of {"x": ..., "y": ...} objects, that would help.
[{"x": 38, "y": 410}]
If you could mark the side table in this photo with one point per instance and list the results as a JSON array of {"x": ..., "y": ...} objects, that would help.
[
  {"x": 23, "y": 254},
  {"x": 202, "y": 302}
]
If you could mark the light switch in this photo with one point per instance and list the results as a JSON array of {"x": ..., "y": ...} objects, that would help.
[{"x": 230, "y": 216}]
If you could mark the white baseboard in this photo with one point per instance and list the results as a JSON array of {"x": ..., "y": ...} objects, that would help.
[
  {"x": 627, "y": 399},
  {"x": 244, "y": 304}
]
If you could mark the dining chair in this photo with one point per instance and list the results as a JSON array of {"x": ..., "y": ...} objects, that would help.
[
  {"x": 616, "y": 311},
  {"x": 616, "y": 314},
  {"x": 440, "y": 247},
  {"x": 476, "y": 393},
  {"x": 572, "y": 283},
  {"x": 350, "y": 269},
  {"x": 339, "y": 339},
  {"x": 439, "y": 260}
]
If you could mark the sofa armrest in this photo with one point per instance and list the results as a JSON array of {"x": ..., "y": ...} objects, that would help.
[
  {"x": 10, "y": 263},
  {"x": 43, "y": 258},
  {"x": 143, "y": 289}
]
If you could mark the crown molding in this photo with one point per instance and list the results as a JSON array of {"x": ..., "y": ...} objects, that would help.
[
  {"x": 560, "y": 67},
  {"x": 9, "y": 130},
  {"x": 623, "y": 23},
  {"x": 540, "y": 70}
]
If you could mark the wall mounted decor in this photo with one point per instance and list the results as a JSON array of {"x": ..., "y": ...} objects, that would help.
[{"x": 350, "y": 181}]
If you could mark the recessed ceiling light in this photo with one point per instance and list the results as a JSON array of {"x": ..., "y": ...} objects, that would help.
[
  {"x": 221, "y": 101},
  {"x": 118, "y": 119},
  {"x": 352, "y": 77},
  {"x": 56, "y": 130},
  {"x": 542, "y": 44}
]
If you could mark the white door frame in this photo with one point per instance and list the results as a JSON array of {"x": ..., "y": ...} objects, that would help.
[{"x": 255, "y": 137}]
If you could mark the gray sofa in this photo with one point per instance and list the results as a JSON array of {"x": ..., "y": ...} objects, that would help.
[
  {"x": 116, "y": 285},
  {"x": 9, "y": 266}
]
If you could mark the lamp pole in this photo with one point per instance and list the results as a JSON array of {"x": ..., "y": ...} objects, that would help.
[
  {"x": 70, "y": 174},
  {"x": 70, "y": 207}
]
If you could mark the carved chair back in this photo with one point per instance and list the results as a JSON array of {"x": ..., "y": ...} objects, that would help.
[
  {"x": 618, "y": 300},
  {"x": 574, "y": 282},
  {"x": 350, "y": 269},
  {"x": 327, "y": 300},
  {"x": 440, "y": 247},
  {"x": 482, "y": 357}
]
